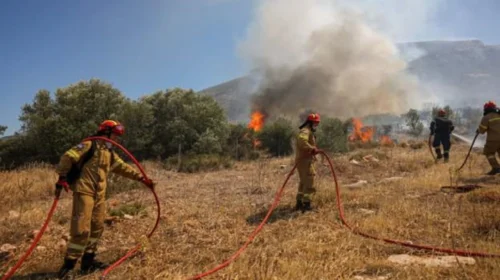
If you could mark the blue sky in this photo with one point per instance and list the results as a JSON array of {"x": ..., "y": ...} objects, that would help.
[{"x": 143, "y": 46}]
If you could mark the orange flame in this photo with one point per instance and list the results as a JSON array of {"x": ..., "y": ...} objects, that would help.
[
  {"x": 256, "y": 121},
  {"x": 386, "y": 140},
  {"x": 361, "y": 133}
]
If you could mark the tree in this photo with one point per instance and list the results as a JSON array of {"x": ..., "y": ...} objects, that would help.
[
  {"x": 50, "y": 126},
  {"x": 181, "y": 118},
  {"x": 156, "y": 126},
  {"x": 331, "y": 136},
  {"x": 207, "y": 143},
  {"x": 39, "y": 126},
  {"x": 239, "y": 142},
  {"x": 138, "y": 119},
  {"x": 82, "y": 106},
  {"x": 413, "y": 121},
  {"x": 2, "y": 129},
  {"x": 277, "y": 137}
]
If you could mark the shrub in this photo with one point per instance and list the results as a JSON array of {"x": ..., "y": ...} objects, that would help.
[
  {"x": 331, "y": 136},
  {"x": 239, "y": 143},
  {"x": 276, "y": 137}
]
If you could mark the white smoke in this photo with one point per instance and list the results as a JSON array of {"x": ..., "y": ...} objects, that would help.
[{"x": 335, "y": 57}]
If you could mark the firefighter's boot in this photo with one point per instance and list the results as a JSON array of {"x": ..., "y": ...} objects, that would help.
[
  {"x": 89, "y": 264},
  {"x": 446, "y": 156},
  {"x": 299, "y": 205},
  {"x": 307, "y": 207},
  {"x": 494, "y": 171},
  {"x": 438, "y": 154},
  {"x": 67, "y": 267}
]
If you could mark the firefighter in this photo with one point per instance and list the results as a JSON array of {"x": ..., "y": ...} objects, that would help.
[
  {"x": 304, "y": 159},
  {"x": 490, "y": 124},
  {"x": 89, "y": 190},
  {"x": 441, "y": 128}
]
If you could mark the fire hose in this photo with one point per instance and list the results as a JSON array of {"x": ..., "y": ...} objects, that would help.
[
  {"x": 466, "y": 157},
  {"x": 56, "y": 200},
  {"x": 259, "y": 228},
  {"x": 430, "y": 147},
  {"x": 37, "y": 238},
  {"x": 344, "y": 221}
]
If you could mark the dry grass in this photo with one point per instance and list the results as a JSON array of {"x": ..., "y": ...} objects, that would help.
[{"x": 207, "y": 216}]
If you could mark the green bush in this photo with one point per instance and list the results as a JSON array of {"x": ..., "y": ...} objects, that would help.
[
  {"x": 186, "y": 121},
  {"x": 239, "y": 143},
  {"x": 331, "y": 136},
  {"x": 156, "y": 125},
  {"x": 16, "y": 151},
  {"x": 413, "y": 121},
  {"x": 277, "y": 137}
]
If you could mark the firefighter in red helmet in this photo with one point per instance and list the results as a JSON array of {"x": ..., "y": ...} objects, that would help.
[
  {"x": 96, "y": 160},
  {"x": 304, "y": 159},
  {"x": 490, "y": 124}
]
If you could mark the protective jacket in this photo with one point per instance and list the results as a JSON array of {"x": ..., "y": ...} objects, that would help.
[
  {"x": 490, "y": 123},
  {"x": 442, "y": 126},
  {"x": 94, "y": 173},
  {"x": 306, "y": 142}
]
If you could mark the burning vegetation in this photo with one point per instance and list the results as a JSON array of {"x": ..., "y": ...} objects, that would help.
[
  {"x": 256, "y": 124},
  {"x": 256, "y": 121},
  {"x": 366, "y": 134}
]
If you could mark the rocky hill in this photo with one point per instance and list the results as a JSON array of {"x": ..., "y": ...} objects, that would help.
[{"x": 459, "y": 72}]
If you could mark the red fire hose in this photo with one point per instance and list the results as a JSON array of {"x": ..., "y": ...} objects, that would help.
[
  {"x": 37, "y": 238},
  {"x": 253, "y": 234},
  {"x": 135, "y": 249},
  {"x": 344, "y": 221},
  {"x": 56, "y": 199},
  {"x": 403, "y": 243}
]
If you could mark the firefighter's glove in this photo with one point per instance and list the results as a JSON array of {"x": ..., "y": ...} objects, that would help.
[
  {"x": 148, "y": 182},
  {"x": 315, "y": 151},
  {"x": 61, "y": 183}
]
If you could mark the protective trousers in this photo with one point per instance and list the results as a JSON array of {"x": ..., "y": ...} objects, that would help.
[
  {"x": 307, "y": 174},
  {"x": 442, "y": 140},
  {"x": 490, "y": 150},
  {"x": 87, "y": 224}
]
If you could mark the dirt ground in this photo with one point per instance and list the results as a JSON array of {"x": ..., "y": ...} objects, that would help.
[{"x": 206, "y": 217}]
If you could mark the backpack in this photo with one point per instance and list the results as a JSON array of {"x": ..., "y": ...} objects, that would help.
[{"x": 76, "y": 168}]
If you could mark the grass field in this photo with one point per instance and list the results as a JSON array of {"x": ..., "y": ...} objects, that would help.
[{"x": 206, "y": 217}]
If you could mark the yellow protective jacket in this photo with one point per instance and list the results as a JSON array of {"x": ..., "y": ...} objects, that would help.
[
  {"x": 305, "y": 142},
  {"x": 491, "y": 124},
  {"x": 93, "y": 177}
]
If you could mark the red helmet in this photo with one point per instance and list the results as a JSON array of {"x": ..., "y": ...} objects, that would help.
[
  {"x": 112, "y": 126},
  {"x": 441, "y": 113},
  {"x": 313, "y": 118},
  {"x": 490, "y": 105}
]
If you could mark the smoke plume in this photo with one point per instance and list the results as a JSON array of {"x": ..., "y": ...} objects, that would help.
[{"x": 323, "y": 56}]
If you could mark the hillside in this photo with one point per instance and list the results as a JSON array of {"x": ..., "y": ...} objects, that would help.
[
  {"x": 206, "y": 217},
  {"x": 233, "y": 96},
  {"x": 460, "y": 72}
]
